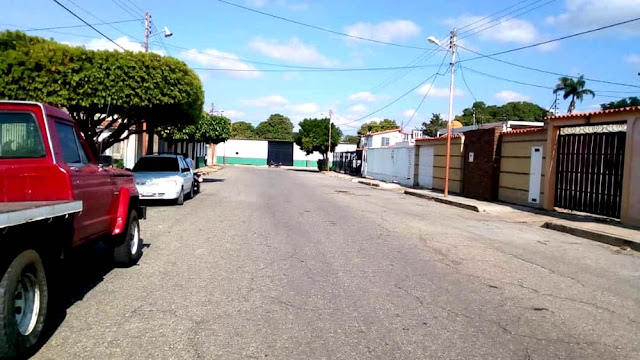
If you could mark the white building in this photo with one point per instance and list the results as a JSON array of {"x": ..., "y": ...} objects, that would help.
[{"x": 384, "y": 138}]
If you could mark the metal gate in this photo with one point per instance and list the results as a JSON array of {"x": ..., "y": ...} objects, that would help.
[
  {"x": 589, "y": 171},
  {"x": 280, "y": 152}
]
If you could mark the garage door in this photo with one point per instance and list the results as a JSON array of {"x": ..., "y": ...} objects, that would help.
[{"x": 280, "y": 152}]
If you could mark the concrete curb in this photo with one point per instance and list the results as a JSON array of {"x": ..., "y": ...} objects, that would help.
[
  {"x": 443, "y": 201},
  {"x": 368, "y": 183},
  {"x": 592, "y": 235}
]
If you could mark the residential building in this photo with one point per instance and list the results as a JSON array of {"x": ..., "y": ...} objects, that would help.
[{"x": 384, "y": 138}]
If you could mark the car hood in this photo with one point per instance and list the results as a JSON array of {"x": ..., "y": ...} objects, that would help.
[{"x": 155, "y": 176}]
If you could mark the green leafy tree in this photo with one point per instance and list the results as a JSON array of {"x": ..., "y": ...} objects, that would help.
[
  {"x": 350, "y": 139},
  {"x": 243, "y": 130},
  {"x": 104, "y": 91},
  {"x": 210, "y": 129},
  {"x": 276, "y": 127},
  {"x": 480, "y": 113},
  {"x": 574, "y": 89},
  {"x": 436, "y": 123},
  {"x": 622, "y": 103},
  {"x": 314, "y": 136},
  {"x": 374, "y": 126}
]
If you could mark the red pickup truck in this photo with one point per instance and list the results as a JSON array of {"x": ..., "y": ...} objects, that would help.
[{"x": 54, "y": 197}]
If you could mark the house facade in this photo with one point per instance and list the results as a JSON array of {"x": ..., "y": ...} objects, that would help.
[{"x": 384, "y": 138}]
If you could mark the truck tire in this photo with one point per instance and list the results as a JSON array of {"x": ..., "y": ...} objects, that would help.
[
  {"x": 130, "y": 250},
  {"x": 24, "y": 296},
  {"x": 180, "y": 199}
]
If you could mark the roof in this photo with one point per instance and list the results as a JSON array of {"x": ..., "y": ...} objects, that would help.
[
  {"x": 523, "y": 131},
  {"x": 594, "y": 113},
  {"x": 444, "y": 137},
  {"x": 47, "y": 109},
  {"x": 384, "y": 132}
]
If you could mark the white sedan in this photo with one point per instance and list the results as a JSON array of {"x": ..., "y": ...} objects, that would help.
[{"x": 165, "y": 177}]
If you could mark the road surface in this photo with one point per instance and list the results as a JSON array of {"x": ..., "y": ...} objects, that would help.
[{"x": 283, "y": 264}]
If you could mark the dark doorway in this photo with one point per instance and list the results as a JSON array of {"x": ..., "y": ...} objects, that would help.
[
  {"x": 481, "y": 164},
  {"x": 280, "y": 152},
  {"x": 589, "y": 170}
]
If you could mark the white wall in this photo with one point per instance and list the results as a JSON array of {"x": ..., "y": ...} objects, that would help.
[
  {"x": 254, "y": 149},
  {"x": 375, "y": 141},
  {"x": 391, "y": 164}
]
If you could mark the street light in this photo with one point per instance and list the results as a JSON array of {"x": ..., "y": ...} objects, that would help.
[
  {"x": 148, "y": 34},
  {"x": 452, "y": 50}
]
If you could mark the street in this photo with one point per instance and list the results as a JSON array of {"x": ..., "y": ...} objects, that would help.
[{"x": 291, "y": 264}]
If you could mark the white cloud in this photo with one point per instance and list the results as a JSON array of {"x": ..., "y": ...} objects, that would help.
[
  {"x": 438, "y": 92},
  {"x": 234, "y": 115},
  {"x": 293, "y": 6},
  {"x": 408, "y": 113},
  {"x": 365, "y": 96},
  {"x": 587, "y": 14},
  {"x": 511, "y": 31},
  {"x": 256, "y": 3},
  {"x": 294, "y": 50},
  {"x": 104, "y": 44},
  {"x": 633, "y": 59},
  {"x": 508, "y": 96},
  {"x": 359, "y": 108},
  {"x": 386, "y": 31},
  {"x": 220, "y": 60},
  {"x": 266, "y": 101}
]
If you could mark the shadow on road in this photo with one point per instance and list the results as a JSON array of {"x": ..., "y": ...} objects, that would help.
[
  {"x": 209, "y": 180},
  {"x": 306, "y": 170},
  {"x": 72, "y": 281}
]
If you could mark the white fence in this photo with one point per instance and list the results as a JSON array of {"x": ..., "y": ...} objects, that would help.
[{"x": 391, "y": 164}]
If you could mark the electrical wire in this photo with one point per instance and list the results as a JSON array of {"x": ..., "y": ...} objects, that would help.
[
  {"x": 78, "y": 26},
  {"x": 126, "y": 9},
  {"x": 464, "y": 80},
  {"x": 425, "y": 95},
  {"x": 320, "y": 28},
  {"x": 89, "y": 25},
  {"x": 492, "y": 15},
  {"x": 504, "y": 18},
  {"x": 314, "y": 69},
  {"x": 398, "y": 98},
  {"x": 97, "y": 18},
  {"x": 540, "y": 70},
  {"x": 133, "y": 3}
]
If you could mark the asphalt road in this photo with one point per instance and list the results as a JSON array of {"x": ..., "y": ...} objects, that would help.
[{"x": 275, "y": 263}]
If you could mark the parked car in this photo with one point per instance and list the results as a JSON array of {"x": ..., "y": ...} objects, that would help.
[
  {"x": 54, "y": 198},
  {"x": 165, "y": 177}
]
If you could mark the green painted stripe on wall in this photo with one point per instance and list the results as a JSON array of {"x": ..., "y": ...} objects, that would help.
[
  {"x": 241, "y": 161},
  {"x": 305, "y": 163}
]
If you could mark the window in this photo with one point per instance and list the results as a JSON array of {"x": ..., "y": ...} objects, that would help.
[
  {"x": 20, "y": 136},
  {"x": 157, "y": 164},
  {"x": 72, "y": 149},
  {"x": 385, "y": 141}
]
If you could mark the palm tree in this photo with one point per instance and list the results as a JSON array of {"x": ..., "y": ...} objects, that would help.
[{"x": 573, "y": 89}]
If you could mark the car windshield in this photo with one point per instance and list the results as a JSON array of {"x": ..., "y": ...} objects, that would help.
[{"x": 153, "y": 164}]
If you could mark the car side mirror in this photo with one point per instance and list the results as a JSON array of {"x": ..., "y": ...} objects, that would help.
[{"x": 105, "y": 160}]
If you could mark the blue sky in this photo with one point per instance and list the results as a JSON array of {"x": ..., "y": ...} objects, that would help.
[{"x": 217, "y": 35}]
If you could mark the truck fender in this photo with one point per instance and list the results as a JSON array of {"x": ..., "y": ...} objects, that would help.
[{"x": 122, "y": 211}]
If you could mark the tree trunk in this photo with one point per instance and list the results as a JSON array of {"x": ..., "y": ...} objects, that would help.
[
  {"x": 150, "y": 140},
  {"x": 572, "y": 105}
]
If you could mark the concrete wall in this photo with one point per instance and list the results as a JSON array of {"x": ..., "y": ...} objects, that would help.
[
  {"x": 630, "y": 210},
  {"x": 391, "y": 164},
  {"x": 515, "y": 166},
  {"x": 456, "y": 164}
]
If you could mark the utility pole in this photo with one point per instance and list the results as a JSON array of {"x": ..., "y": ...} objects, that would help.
[
  {"x": 147, "y": 30},
  {"x": 147, "y": 146},
  {"x": 452, "y": 45},
  {"x": 329, "y": 148}
]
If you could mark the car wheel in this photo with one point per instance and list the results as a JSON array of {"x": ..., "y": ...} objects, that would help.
[
  {"x": 180, "y": 199},
  {"x": 129, "y": 252},
  {"x": 196, "y": 187},
  {"x": 191, "y": 191},
  {"x": 24, "y": 295}
]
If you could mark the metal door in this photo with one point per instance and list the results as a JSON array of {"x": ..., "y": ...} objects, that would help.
[
  {"x": 589, "y": 170},
  {"x": 425, "y": 164},
  {"x": 280, "y": 152}
]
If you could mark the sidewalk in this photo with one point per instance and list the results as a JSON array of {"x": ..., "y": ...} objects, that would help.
[{"x": 584, "y": 226}]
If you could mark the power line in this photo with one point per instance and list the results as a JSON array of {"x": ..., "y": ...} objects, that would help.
[
  {"x": 503, "y": 20},
  {"x": 492, "y": 15},
  {"x": 78, "y": 26},
  {"x": 320, "y": 28},
  {"x": 403, "y": 72},
  {"x": 540, "y": 70},
  {"x": 557, "y": 39},
  {"x": 465, "y": 82},
  {"x": 133, "y": 3},
  {"x": 398, "y": 98},
  {"x": 126, "y": 8},
  {"x": 97, "y": 18},
  {"x": 304, "y": 69},
  {"x": 425, "y": 95},
  {"x": 89, "y": 25}
]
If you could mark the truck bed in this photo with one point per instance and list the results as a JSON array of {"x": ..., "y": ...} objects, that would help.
[{"x": 15, "y": 213}]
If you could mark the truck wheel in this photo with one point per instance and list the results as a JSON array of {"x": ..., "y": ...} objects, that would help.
[
  {"x": 23, "y": 303},
  {"x": 129, "y": 252},
  {"x": 180, "y": 199}
]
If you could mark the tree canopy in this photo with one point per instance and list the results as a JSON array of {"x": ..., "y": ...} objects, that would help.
[
  {"x": 350, "y": 139},
  {"x": 104, "y": 91},
  {"x": 211, "y": 129},
  {"x": 622, "y": 103},
  {"x": 374, "y": 126},
  {"x": 436, "y": 123},
  {"x": 276, "y": 127},
  {"x": 574, "y": 89},
  {"x": 515, "y": 110},
  {"x": 243, "y": 130},
  {"x": 314, "y": 136}
]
